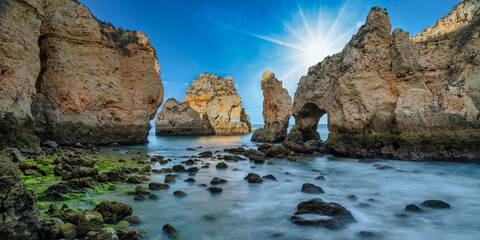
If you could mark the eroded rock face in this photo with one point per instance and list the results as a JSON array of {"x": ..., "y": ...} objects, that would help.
[
  {"x": 179, "y": 119},
  {"x": 70, "y": 78},
  {"x": 19, "y": 214},
  {"x": 390, "y": 96},
  {"x": 277, "y": 109},
  {"x": 216, "y": 100},
  {"x": 20, "y": 23}
]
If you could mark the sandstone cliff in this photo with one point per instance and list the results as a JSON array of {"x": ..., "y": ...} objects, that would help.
[
  {"x": 179, "y": 119},
  {"x": 216, "y": 99},
  {"x": 70, "y": 78},
  {"x": 387, "y": 95},
  {"x": 277, "y": 109}
]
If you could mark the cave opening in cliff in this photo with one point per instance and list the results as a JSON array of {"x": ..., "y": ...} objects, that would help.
[{"x": 308, "y": 119}]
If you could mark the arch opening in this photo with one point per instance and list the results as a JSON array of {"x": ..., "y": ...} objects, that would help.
[{"x": 307, "y": 121}]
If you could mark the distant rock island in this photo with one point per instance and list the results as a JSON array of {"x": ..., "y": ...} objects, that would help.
[
  {"x": 70, "y": 78},
  {"x": 179, "y": 119},
  {"x": 391, "y": 96},
  {"x": 218, "y": 109},
  {"x": 277, "y": 109}
]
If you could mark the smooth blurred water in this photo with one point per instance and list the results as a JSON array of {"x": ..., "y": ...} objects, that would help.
[{"x": 256, "y": 211}]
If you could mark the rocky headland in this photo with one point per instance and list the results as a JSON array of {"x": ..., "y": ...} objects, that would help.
[
  {"x": 216, "y": 100},
  {"x": 179, "y": 119},
  {"x": 391, "y": 96},
  {"x": 277, "y": 110},
  {"x": 68, "y": 77}
]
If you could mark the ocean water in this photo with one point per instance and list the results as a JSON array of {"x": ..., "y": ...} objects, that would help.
[{"x": 257, "y": 211}]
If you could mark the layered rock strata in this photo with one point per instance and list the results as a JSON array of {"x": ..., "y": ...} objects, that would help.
[
  {"x": 67, "y": 77},
  {"x": 179, "y": 119},
  {"x": 390, "y": 96},
  {"x": 216, "y": 100},
  {"x": 277, "y": 109}
]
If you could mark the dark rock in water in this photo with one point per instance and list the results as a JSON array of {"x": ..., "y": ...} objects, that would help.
[
  {"x": 205, "y": 166},
  {"x": 238, "y": 150},
  {"x": 179, "y": 193},
  {"x": 340, "y": 216},
  {"x": 129, "y": 233},
  {"x": 113, "y": 175},
  {"x": 132, "y": 219},
  {"x": 216, "y": 181},
  {"x": 311, "y": 188},
  {"x": 320, "y": 178},
  {"x": 253, "y": 178},
  {"x": 270, "y": 177},
  {"x": 265, "y": 146},
  {"x": 352, "y": 197},
  {"x": 190, "y": 180},
  {"x": 438, "y": 204},
  {"x": 170, "y": 231},
  {"x": 401, "y": 215},
  {"x": 170, "y": 178},
  {"x": 202, "y": 185},
  {"x": 19, "y": 214},
  {"x": 363, "y": 205},
  {"x": 385, "y": 167},
  {"x": 66, "y": 214},
  {"x": 367, "y": 234},
  {"x": 413, "y": 208},
  {"x": 276, "y": 235},
  {"x": 277, "y": 151},
  {"x": 134, "y": 180},
  {"x": 157, "y": 186},
  {"x": 211, "y": 217},
  {"x": 205, "y": 154},
  {"x": 191, "y": 149},
  {"x": 153, "y": 197},
  {"x": 112, "y": 212},
  {"x": 139, "y": 197},
  {"x": 192, "y": 170},
  {"x": 215, "y": 189},
  {"x": 369, "y": 160},
  {"x": 178, "y": 168},
  {"x": 221, "y": 165},
  {"x": 89, "y": 221}
]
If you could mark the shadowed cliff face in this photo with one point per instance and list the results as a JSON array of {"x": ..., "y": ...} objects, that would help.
[
  {"x": 71, "y": 78},
  {"x": 387, "y": 95},
  {"x": 277, "y": 109}
]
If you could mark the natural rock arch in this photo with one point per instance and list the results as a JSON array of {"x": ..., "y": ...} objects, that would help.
[{"x": 306, "y": 124}]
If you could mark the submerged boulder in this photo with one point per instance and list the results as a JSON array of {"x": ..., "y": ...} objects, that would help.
[
  {"x": 277, "y": 109},
  {"x": 338, "y": 216},
  {"x": 179, "y": 119},
  {"x": 216, "y": 100}
]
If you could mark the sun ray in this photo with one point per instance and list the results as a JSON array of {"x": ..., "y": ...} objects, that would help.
[
  {"x": 305, "y": 23},
  {"x": 335, "y": 23},
  {"x": 279, "y": 42}
]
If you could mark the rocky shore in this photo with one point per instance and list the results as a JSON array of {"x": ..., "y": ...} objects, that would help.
[{"x": 391, "y": 96}]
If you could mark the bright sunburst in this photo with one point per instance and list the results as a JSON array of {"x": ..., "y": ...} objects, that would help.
[{"x": 311, "y": 38}]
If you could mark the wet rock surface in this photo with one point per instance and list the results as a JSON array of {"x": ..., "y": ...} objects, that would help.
[{"x": 339, "y": 215}]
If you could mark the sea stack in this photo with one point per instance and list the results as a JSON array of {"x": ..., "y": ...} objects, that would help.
[
  {"x": 277, "y": 109},
  {"x": 391, "y": 96},
  {"x": 70, "y": 78},
  {"x": 216, "y": 100},
  {"x": 179, "y": 119}
]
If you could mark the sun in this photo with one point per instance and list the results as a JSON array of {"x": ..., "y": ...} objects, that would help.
[{"x": 310, "y": 39}]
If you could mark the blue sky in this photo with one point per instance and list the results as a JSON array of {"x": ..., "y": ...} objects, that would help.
[{"x": 244, "y": 38}]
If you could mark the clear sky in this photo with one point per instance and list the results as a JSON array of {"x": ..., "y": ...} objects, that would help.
[{"x": 243, "y": 38}]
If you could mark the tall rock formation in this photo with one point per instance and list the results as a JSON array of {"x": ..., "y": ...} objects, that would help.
[
  {"x": 277, "y": 109},
  {"x": 390, "y": 96},
  {"x": 216, "y": 100},
  {"x": 70, "y": 78},
  {"x": 179, "y": 119}
]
